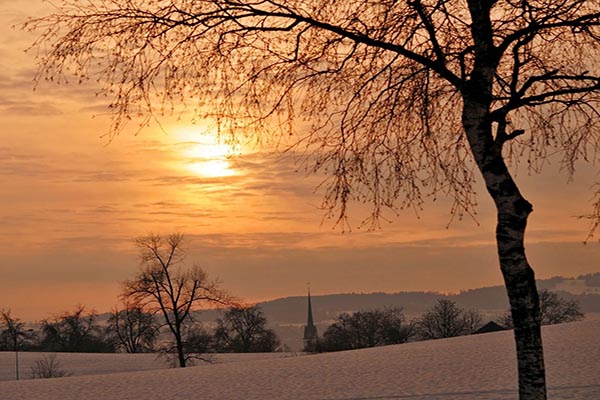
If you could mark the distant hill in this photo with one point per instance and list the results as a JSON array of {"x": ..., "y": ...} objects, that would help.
[
  {"x": 287, "y": 316},
  {"x": 585, "y": 289}
]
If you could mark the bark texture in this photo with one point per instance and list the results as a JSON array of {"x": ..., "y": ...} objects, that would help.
[{"x": 513, "y": 210}]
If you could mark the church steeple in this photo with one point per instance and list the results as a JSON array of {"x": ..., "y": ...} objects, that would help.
[
  {"x": 310, "y": 330},
  {"x": 310, "y": 316}
]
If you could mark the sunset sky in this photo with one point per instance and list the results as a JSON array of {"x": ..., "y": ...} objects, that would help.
[{"x": 71, "y": 202}]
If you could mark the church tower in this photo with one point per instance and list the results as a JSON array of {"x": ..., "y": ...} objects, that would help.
[{"x": 310, "y": 330}]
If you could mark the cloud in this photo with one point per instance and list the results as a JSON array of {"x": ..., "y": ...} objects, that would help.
[{"x": 32, "y": 110}]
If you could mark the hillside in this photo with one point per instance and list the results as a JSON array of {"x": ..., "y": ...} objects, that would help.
[{"x": 463, "y": 368}]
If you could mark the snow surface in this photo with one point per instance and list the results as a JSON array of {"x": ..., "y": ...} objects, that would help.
[
  {"x": 465, "y": 368},
  {"x": 77, "y": 364}
]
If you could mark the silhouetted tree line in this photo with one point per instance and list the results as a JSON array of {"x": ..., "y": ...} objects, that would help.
[
  {"x": 133, "y": 330},
  {"x": 74, "y": 331},
  {"x": 243, "y": 329},
  {"x": 371, "y": 328}
]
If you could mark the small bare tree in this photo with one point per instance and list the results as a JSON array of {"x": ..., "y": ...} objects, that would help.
[
  {"x": 133, "y": 329},
  {"x": 165, "y": 285},
  {"x": 48, "y": 367},
  {"x": 445, "y": 319}
]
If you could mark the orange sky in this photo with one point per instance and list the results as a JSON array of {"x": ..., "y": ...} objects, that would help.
[{"x": 70, "y": 204}]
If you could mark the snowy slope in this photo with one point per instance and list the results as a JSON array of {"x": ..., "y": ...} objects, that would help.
[
  {"x": 77, "y": 364},
  {"x": 471, "y": 367}
]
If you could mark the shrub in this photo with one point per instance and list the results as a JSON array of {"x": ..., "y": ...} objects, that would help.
[{"x": 48, "y": 367}]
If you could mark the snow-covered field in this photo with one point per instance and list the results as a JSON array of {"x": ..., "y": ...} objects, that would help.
[
  {"x": 77, "y": 364},
  {"x": 465, "y": 368}
]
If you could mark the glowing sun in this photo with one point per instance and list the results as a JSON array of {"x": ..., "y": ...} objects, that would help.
[{"x": 205, "y": 155}]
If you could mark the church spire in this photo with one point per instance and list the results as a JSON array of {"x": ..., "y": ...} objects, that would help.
[
  {"x": 310, "y": 330},
  {"x": 310, "y": 316}
]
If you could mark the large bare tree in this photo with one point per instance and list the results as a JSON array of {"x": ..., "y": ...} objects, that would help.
[
  {"x": 405, "y": 100},
  {"x": 165, "y": 285}
]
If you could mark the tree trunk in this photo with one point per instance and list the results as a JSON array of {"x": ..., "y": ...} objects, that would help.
[
  {"x": 513, "y": 210},
  {"x": 180, "y": 350}
]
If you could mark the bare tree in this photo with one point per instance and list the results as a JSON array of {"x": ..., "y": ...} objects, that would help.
[
  {"x": 12, "y": 332},
  {"x": 244, "y": 330},
  {"x": 553, "y": 310},
  {"x": 165, "y": 285},
  {"x": 445, "y": 319},
  {"x": 557, "y": 310},
  {"x": 74, "y": 331},
  {"x": 472, "y": 320},
  {"x": 367, "y": 328},
  {"x": 48, "y": 367},
  {"x": 406, "y": 99},
  {"x": 133, "y": 329}
]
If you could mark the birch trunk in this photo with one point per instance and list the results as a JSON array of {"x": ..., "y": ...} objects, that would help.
[{"x": 513, "y": 210}]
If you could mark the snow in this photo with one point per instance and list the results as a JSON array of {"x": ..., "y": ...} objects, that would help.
[
  {"x": 470, "y": 367},
  {"x": 77, "y": 364}
]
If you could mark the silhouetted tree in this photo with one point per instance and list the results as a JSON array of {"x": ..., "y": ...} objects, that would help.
[
  {"x": 198, "y": 341},
  {"x": 165, "y": 285},
  {"x": 557, "y": 310},
  {"x": 445, "y": 319},
  {"x": 405, "y": 98},
  {"x": 133, "y": 329},
  {"x": 553, "y": 310},
  {"x": 367, "y": 329},
  {"x": 75, "y": 331},
  {"x": 472, "y": 320},
  {"x": 244, "y": 330},
  {"x": 13, "y": 334}
]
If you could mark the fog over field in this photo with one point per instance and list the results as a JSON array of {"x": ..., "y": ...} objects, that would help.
[{"x": 468, "y": 367}]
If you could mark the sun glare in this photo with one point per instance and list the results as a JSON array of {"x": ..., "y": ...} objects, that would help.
[
  {"x": 205, "y": 156},
  {"x": 212, "y": 168}
]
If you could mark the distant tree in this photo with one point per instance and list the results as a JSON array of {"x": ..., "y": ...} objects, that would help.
[
  {"x": 75, "y": 331},
  {"x": 13, "y": 334},
  {"x": 445, "y": 319},
  {"x": 553, "y": 310},
  {"x": 472, "y": 320},
  {"x": 165, "y": 285},
  {"x": 364, "y": 329},
  {"x": 505, "y": 320},
  {"x": 557, "y": 310},
  {"x": 133, "y": 329},
  {"x": 244, "y": 330},
  {"x": 198, "y": 342},
  {"x": 48, "y": 367},
  {"x": 591, "y": 280}
]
